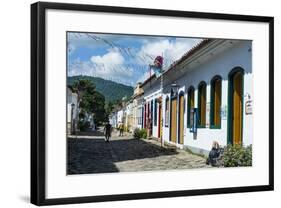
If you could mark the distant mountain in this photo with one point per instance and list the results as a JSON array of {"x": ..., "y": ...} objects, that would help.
[{"x": 111, "y": 90}]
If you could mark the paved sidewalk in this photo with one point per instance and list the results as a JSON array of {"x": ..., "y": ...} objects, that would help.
[{"x": 91, "y": 154}]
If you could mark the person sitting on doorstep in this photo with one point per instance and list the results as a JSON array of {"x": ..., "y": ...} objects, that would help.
[{"x": 215, "y": 154}]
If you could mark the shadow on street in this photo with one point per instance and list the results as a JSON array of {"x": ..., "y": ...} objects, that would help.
[
  {"x": 90, "y": 133},
  {"x": 97, "y": 156}
]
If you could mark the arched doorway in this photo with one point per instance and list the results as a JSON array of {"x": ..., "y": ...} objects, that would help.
[
  {"x": 190, "y": 104},
  {"x": 173, "y": 127},
  {"x": 215, "y": 105},
  {"x": 181, "y": 118},
  {"x": 235, "y": 106},
  {"x": 202, "y": 94},
  {"x": 145, "y": 115}
]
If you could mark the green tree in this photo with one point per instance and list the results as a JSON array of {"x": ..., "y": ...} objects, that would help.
[
  {"x": 99, "y": 107},
  {"x": 90, "y": 101},
  {"x": 109, "y": 106}
]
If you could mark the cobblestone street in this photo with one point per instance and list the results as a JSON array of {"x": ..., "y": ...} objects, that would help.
[{"x": 91, "y": 154}]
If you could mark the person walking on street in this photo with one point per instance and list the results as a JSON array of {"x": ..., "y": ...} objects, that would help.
[
  {"x": 107, "y": 131},
  {"x": 121, "y": 129}
]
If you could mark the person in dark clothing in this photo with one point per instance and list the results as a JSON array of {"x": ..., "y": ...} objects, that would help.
[
  {"x": 107, "y": 131},
  {"x": 215, "y": 154}
]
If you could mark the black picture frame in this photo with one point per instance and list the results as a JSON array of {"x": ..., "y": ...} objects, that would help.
[{"x": 38, "y": 102}]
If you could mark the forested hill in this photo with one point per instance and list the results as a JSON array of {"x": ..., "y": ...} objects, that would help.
[{"x": 111, "y": 90}]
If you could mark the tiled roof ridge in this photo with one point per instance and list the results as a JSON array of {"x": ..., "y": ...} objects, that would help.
[{"x": 189, "y": 52}]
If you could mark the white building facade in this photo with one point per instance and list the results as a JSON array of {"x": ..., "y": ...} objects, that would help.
[
  {"x": 72, "y": 111},
  {"x": 120, "y": 116},
  {"x": 128, "y": 114},
  {"x": 113, "y": 119},
  {"x": 137, "y": 107},
  {"x": 152, "y": 117},
  {"x": 206, "y": 96}
]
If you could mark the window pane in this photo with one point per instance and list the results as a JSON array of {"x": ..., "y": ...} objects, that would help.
[
  {"x": 190, "y": 105},
  {"x": 167, "y": 112},
  {"x": 217, "y": 102},
  {"x": 202, "y": 104}
]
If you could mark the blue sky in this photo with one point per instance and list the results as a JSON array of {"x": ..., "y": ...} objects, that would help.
[{"x": 121, "y": 58}]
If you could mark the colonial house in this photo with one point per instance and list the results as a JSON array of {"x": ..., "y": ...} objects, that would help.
[
  {"x": 120, "y": 115},
  {"x": 123, "y": 113},
  {"x": 203, "y": 97},
  {"x": 128, "y": 116},
  {"x": 137, "y": 107},
  {"x": 113, "y": 119},
  {"x": 72, "y": 111},
  {"x": 152, "y": 107}
]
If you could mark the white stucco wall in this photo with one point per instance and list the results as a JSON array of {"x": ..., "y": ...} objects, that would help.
[
  {"x": 151, "y": 95},
  {"x": 120, "y": 115},
  {"x": 235, "y": 55},
  {"x": 220, "y": 64},
  {"x": 139, "y": 117},
  {"x": 231, "y": 55},
  {"x": 72, "y": 98},
  {"x": 113, "y": 119}
]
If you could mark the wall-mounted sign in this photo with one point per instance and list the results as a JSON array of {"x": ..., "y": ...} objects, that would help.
[{"x": 249, "y": 107}]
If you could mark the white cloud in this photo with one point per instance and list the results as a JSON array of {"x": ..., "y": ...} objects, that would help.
[
  {"x": 144, "y": 77},
  {"x": 171, "y": 50},
  {"x": 110, "y": 66},
  {"x": 117, "y": 64},
  {"x": 112, "y": 57}
]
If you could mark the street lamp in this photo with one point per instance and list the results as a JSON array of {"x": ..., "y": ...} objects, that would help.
[{"x": 174, "y": 89}]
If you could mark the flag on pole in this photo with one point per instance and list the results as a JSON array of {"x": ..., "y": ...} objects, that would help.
[{"x": 157, "y": 66}]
